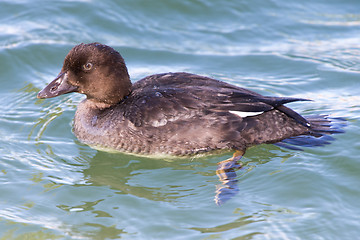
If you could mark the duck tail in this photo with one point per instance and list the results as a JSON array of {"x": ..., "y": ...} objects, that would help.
[{"x": 321, "y": 127}]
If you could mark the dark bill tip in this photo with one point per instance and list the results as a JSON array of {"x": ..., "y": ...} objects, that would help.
[{"x": 57, "y": 87}]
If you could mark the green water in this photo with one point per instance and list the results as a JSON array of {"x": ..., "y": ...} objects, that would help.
[{"x": 53, "y": 187}]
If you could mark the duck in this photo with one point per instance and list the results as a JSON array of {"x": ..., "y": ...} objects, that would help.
[{"x": 176, "y": 113}]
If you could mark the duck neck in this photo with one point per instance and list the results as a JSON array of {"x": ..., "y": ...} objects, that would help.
[{"x": 93, "y": 104}]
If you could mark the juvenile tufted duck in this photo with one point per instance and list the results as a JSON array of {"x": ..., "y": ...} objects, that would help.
[{"x": 175, "y": 113}]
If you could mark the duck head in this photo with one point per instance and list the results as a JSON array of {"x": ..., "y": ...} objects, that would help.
[{"x": 94, "y": 69}]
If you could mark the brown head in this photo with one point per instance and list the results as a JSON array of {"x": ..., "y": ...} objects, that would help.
[{"x": 94, "y": 69}]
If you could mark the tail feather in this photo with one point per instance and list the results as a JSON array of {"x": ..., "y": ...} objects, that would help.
[
  {"x": 322, "y": 124},
  {"x": 321, "y": 127}
]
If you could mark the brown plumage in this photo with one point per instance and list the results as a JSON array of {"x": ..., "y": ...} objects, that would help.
[
  {"x": 178, "y": 114},
  {"x": 172, "y": 113}
]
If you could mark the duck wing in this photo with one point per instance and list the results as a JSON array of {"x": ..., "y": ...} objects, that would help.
[{"x": 161, "y": 98}]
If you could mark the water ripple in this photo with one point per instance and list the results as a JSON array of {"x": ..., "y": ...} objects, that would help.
[{"x": 55, "y": 187}]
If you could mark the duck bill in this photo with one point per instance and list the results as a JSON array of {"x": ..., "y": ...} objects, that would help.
[{"x": 59, "y": 86}]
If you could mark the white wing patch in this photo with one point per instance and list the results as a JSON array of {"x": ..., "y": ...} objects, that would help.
[{"x": 245, "y": 114}]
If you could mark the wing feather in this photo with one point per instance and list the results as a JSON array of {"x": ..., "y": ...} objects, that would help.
[{"x": 163, "y": 98}]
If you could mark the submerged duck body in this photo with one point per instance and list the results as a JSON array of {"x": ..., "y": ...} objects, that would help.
[{"x": 172, "y": 113}]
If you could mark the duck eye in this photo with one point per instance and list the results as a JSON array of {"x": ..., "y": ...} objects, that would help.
[{"x": 87, "y": 66}]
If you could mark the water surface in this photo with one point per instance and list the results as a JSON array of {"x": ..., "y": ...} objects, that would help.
[{"x": 54, "y": 187}]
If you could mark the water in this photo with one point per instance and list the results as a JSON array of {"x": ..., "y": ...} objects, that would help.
[{"x": 53, "y": 187}]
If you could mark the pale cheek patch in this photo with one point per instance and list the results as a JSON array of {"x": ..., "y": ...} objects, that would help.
[{"x": 245, "y": 114}]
